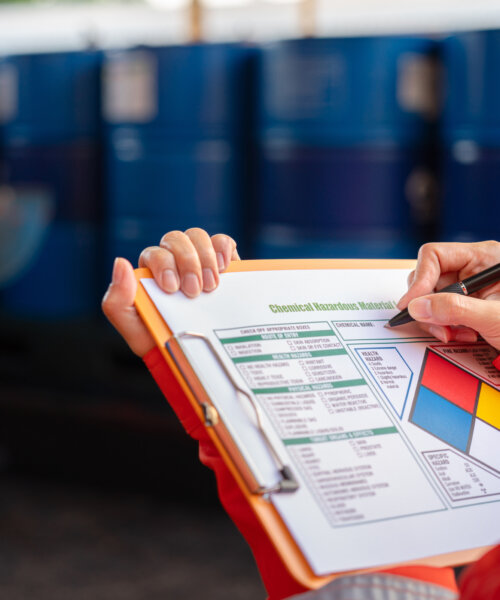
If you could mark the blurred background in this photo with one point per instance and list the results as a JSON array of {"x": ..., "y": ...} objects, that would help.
[{"x": 305, "y": 128}]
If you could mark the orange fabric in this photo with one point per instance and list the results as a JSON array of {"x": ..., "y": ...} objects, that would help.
[
  {"x": 481, "y": 581},
  {"x": 278, "y": 581},
  {"x": 444, "y": 577}
]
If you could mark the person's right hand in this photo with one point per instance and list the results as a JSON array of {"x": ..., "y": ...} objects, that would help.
[{"x": 441, "y": 264}]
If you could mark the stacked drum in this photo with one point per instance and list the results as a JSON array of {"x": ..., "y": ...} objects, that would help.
[
  {"x": 50, "y": 134},
  {"x": 471, "y": 136},
  {"x": 344, "y": 145},
  {"x": 175, "y": 125}
]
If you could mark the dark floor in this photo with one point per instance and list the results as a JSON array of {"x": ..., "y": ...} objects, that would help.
[
  {"x": 102, "y": 496},
  {"x": 71, "y": 542}
]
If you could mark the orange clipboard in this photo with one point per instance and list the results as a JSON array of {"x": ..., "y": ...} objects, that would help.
[{"x": 286, "y": 547}]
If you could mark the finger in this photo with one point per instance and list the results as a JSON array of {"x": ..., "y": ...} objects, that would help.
[
  {"x": 433, "y": 260},
  {"x": 455, "y": 259},
  {"x": 225, "y": 250},
  {"x": 118, "y": 306},
  {"x": 440, "y": 332},
  {"x": 453, "y": 309},
  {"x": 161, "y": 262},
  {"x": 490, "y": 293},
  {"x": 206, "y": 253},
  {"x": 463, "y": 334},
  {"x": 446, "y": 279},
  {"x": 450, "y": 334},
  {"x": 187, "y": 262}
]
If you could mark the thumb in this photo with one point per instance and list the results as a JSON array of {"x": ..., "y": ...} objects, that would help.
[
  {"x": 454, "y": 309},
  {"x": 118, "y": 306}
]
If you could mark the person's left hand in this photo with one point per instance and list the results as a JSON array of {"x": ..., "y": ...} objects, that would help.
[{"x": 189, "y": 261}]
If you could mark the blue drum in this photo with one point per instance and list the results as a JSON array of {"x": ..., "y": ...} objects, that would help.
[
  {"x": 192, "y": 91},
  {"x": 348, "y": 90},
  {"x": 471, "y": 181},
  {"x": 60, "y": 280},
  {"x": 277, "y": 244},
  {"x": 345, "y": 140},
  {"x": 69, "y": 170},
  {"x": 179, "y": 183},
  {"x": 51, "y": 136},
  {"x": 353, "y": 191},
  {"x": 472, "y": 87},
  {"x": 177, "y": 122},
  {"x": 55, "y": 97},
  {"x": 471, "y": 136}
]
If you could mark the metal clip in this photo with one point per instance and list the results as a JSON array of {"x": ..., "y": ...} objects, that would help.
[
  {"x": 288, "y": 482},
  {"x": 211, "y": 415}
]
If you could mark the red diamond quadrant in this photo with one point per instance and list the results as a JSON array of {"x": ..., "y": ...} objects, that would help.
[{"x": 449, "y": 381}]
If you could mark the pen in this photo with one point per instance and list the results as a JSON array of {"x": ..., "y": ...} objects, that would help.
[{"x": 465, "y": 288}]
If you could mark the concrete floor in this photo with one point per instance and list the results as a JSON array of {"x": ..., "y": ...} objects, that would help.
[{"x": 72, "y": 542}]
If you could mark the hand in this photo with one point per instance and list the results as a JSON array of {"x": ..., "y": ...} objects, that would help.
[
  {"x": 452, "y": 316},
  {"x": 189, "y": 261}
]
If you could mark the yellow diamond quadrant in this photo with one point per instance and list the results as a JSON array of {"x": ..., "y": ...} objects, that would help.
[{"x": 488, "y": 407}]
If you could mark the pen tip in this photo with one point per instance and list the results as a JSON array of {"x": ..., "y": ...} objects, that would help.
[{"x": 387, "y": 326}]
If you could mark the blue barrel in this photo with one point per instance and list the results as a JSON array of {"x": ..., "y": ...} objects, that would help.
[
  {"x": 69, "y": 169},
  {"x": 178, "y": 182},
  {"x": 470, "y": 136},
  {"x": 51, "y": 136},
  {"x": 472, "y": 87},
  {"x": 60, "y": 280},
  {"x": 277, "y": 243},
  {"x": 193, "y": 91},
  {"x": 56, "y": 98},
  {"x": 348, "y": 91},
  {"x": 471, "y": 183},
  {"x": 345, "y": 138},
  {"x": 176, "y": 129},
  {"x": 345, "y": 190}
]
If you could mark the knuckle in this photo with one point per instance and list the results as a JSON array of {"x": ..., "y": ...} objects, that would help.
[
  {"x": 223, "y": 238},
  {"x": 172, "y": 236},
  {"x": 149, "y": 254},
  {"x": 492, "y": 246},
  {"x": 107, "y": 304},
  {"x": 196, "y": 232},
  {"x": 206, "y": 255},
  {"x": 451, "y": 306},
  {"x": 427, "y": 249},
  {"x": 187, "y": 257}
]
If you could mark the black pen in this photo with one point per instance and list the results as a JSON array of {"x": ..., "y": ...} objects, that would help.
[{"x": 465, "y": 288}]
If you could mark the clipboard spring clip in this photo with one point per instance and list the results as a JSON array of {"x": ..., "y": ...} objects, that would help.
[{"x": 288, "y": 482}]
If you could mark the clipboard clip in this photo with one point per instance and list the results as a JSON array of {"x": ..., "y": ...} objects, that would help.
[{"x": 288, "y": 482}]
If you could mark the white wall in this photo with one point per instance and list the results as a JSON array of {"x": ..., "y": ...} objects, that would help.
[{"x": 52, "y": 27}]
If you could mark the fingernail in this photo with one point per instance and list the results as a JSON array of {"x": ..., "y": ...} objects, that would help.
[
  {"x": 420, "y": 308},
  {"x": 191, "y": 285},
  {"x": 221, "y": 261},
  {"x": 169, "y": 281},
  {"x": 208, "y": 280},
  {"x": 439, "y": 332},
  {"x": 118, "y": 272},
  {"x": 466, "y": 336}
]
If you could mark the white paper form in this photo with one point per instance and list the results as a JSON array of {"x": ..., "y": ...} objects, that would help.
[{"x": 393, "y": 437}]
